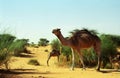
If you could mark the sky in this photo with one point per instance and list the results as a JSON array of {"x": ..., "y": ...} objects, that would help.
[{"x": 35, "y": 19}]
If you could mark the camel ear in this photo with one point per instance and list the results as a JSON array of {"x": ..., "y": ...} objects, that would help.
[{"x": 58, "y": 29}]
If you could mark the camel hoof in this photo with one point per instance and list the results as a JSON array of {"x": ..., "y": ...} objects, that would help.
[
  {"x": 72, "y": 69},
  {"x": 84, "y": 68},
  {"x": 98, "y": 69}
]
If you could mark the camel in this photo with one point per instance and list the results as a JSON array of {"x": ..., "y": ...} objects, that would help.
[
  {"x": 53, "y": 53},
  {"x": 81, "y": 39}
]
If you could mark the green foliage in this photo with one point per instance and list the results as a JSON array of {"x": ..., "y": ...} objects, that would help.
[
  {"x": 55, "y": 44},
  {"x": 90, "y": 57},
  {"x": 108, "y": 66},
  {"x": 43, "y": 42},
  {"x": 20, "y": 46},
  {"x": 6, "y": 48},
  {"x": 66, "y": 50},
  {"x": 6, "y": 40},
  {"x": 8, "y": 45},
  {"x": 115, "y": 39},
  {"x": 33, "y": 62},
  {"x": 108, "y": 48},
  {"x": 32, "y": 44}
]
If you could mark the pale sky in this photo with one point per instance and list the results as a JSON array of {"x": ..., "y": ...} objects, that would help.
[{"x": 35, "y": 19}]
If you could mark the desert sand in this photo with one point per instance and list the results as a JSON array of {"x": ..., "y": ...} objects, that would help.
[{"x": 21, "y": 69}]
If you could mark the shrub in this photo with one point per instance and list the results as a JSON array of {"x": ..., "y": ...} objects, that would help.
[
  {"x": 90, "y": 57},
  {"x": 20, "y": 46},
  {"x": 8, "y": 45},
  {"x": 108, "y": 49},
  {"x": 6, "y": 48},
  {"x": 33, "y": 62},
  {"x": 43, "y": 42},
  {"x": 55, "y": 44}
]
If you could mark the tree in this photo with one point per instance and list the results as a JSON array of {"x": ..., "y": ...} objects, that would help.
[
  {"x": 108, "y": 48},
  {"x": 9, "y": 46},
  {"x": 6, "y": 48},
  {"x": 43, "y": 42},
  {"x": 115, "y": 39}
]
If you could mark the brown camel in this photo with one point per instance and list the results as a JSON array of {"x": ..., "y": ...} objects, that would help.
[
  {"x": 53, "y": 53},
  {"x": 82, "y": 39}
]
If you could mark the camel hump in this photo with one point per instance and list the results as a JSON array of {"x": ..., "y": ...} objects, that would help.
[
  {"x": 86, "y": 31},
  {"x": 84, "y": 35}
]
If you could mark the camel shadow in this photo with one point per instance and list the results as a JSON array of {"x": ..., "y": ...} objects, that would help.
[
  {"x": 14, "y": 73},
  {"x": 22, "y": 71},
  {"x": 109, "y": 70},
  {"x": 18, "y": 73}
]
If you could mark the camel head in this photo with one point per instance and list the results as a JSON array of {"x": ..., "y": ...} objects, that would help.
[{"x": 56, "y": 31}]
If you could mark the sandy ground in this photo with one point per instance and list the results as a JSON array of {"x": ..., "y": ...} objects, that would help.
[{"x": 21, "y": 69}]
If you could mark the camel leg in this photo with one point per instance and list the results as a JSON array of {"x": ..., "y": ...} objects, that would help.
[
  {"x": 97, "y": 50},
  {"x": 48, "y": 60},
  {"x": 99, "y": 63},
  {"x": 73, "y": 59},
  {"x": 81, "y": 60}
]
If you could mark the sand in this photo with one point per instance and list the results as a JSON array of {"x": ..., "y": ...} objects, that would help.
[{"x": 21, "y": 69}]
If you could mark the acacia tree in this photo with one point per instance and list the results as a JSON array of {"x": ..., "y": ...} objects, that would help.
[
  {"x": 109, "y": 45},
  {"x": 6, "y": 48},
  {"x": 43, "y": 42}
]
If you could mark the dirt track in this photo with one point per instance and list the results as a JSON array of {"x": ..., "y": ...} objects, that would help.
[{"x": 20, "y": 68}]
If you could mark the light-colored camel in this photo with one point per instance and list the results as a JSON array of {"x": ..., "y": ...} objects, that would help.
[
  {"x": 53, "y": 53},
  {"x": 80, "y": 40}
]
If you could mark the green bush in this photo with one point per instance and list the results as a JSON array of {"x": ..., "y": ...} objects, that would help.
[
  {"x": 43, "y": 42},
  {"x": 90, "y": 57},
  {"x": 108, "y": 48},
  {"x": 108, "y": 66},
  {"x": 8, "y": 45},
  {"x": 55, "y": 44},
  {"x": 20, "y": 46},
  {"x": 6, "y": 48}
]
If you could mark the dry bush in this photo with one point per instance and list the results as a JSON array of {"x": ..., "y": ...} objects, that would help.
[{"x": 34, "y": 62}]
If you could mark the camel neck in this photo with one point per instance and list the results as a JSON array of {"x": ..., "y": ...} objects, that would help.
[{"x": 62, "y": 39}]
